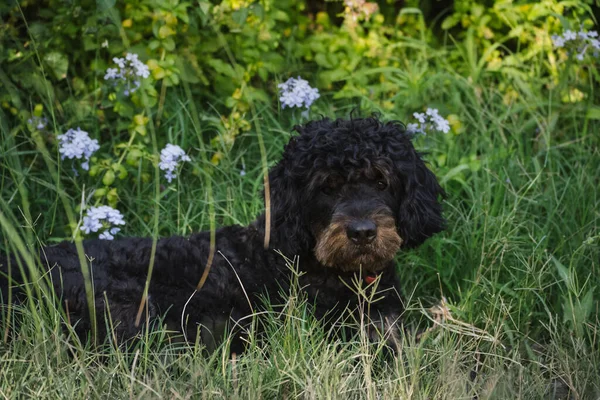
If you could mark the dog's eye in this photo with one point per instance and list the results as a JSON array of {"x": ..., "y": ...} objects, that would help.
[
  {"x": 329, "y": 190},
  {"x": 332, "y": 185},
  {"x": 381, "y": 185}
]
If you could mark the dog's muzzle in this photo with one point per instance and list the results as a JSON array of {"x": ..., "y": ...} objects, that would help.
[{"x": 354, "y": 244}]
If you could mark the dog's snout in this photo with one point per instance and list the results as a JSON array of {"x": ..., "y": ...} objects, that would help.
[{"x": 362, "y": 232}]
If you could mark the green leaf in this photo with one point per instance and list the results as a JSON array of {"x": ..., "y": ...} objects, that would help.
[
  {"x": 239, "y": 16},
  {"x": 577, "y": 310},
  {"x": 454, "y": 173},
  {"x": 334, "y": 75},
  {"x": 280, "y": 15},
  {"x": 322, "y": 60},
  {"x": 258, "y": 10},
  {"x": 181, "y": 12},
  {"x": 169, "y": 44},
  {"x": 58, "y": 63},
  {"x": 204, "y": 6},
  {"x": 411, "y": 10},
  {"x": 450, "y": 22},
  {"x": 563, "y": 272},
  {"x": 593, "y": 113},
  {"x": 89, "y": 43},
  {"x": 188, "y": 72},
  {"x": 109, "y": 178},
  {"x": 586, "y": 305},
  {"x": 40, "y": 85},
  {"x": 122, "y": 172},
  {"x": 104, "y": 5},
  {"x": 222, "y": 67}
]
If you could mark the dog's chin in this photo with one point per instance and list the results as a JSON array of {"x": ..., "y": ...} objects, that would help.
[
  {"x": 351, "y": 258},
  {"x": 365, "y": 263}
]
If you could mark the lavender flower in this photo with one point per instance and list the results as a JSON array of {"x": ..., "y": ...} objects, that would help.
[
  {"x": 558, "y": 41},
  {"x": 569, "y": 35},
  {"x": 580, "y": 42},
  {"x": 105, "y": 218},
  {"x": 429, "y": 120},
  {"x": 38, "y": 123},
  {"x": 76, "y": 143},
  {"x": 130, "y": 70},
  {"x": 109, "y": 234},
  {"x": 170, "y": 157},
  {"x": 297, "y": 93}
]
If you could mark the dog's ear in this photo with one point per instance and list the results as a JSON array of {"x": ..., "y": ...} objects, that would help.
[
  {"x": 420, "y": 211},
  {"x": 286, "y": 200},
  {"x": 284, "y": 194}
]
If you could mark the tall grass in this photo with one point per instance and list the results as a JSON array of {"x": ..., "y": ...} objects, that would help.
[{"x": 504, "y": 304}]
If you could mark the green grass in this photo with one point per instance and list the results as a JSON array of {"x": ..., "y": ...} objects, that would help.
[{"x": 518, "y": 266}]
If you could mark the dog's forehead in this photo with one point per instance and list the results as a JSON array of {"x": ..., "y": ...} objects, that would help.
[
  {"x": 336, "y": 177},
  {"x": 353, "y": 160},
  {"x": 361, "y": 133},
  {"x": 351, "y": 149},
  {"x": 348, "y": 140},
  {"x": 325, "y": 151}
]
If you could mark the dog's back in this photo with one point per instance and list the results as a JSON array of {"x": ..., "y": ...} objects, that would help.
[
  {"x": 117, "y": 272},
  {"x": 59, "y": 268}
]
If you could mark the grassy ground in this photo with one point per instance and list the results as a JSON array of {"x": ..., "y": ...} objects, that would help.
[{"x": 508, "y": 295}]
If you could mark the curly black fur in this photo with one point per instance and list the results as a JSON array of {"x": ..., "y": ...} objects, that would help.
[{"x": 335, "y": 178}]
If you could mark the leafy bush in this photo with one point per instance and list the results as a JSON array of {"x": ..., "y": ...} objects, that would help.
[{"x": 109, "y": 67}]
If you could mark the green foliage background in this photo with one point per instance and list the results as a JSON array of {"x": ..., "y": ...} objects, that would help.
[
  {"x": 519, "y": 264},
  {"x": 230, "y": 55}
]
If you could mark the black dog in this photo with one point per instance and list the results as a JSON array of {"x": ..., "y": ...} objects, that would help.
[{"x": 345, "y": 198}]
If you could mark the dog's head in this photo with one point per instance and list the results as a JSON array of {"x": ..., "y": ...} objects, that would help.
[{"x": 354, "y": 192}]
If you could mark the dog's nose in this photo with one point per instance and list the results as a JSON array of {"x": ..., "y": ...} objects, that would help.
[{"x": 362, "y": 231}]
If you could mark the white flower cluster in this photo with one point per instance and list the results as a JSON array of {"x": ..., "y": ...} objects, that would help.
[
  {"x": 38, "y": 123},
  {"x": 130, "y": 71},
  {"x": 580, "y": 41},
  {"x": 429, "y": 120},
  {"x": 170, "y": 157},
  {"x": 76, "y": 143},
  {"x": 105, "y": 218},
  {"x": 297, "y": 93}
]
